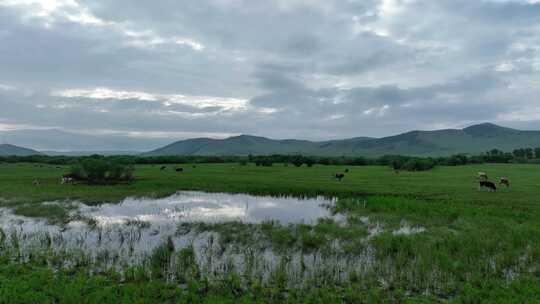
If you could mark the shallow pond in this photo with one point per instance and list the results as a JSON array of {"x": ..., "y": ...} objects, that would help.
[
  {"x": 129, "y": 232},
  {"x": 126, "y": 233},
  {"x": 141, "y": 224},
  {"x": 193, "y": 206}
]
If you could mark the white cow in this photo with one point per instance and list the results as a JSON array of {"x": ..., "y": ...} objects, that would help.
[{"x": 482, "y": 175}]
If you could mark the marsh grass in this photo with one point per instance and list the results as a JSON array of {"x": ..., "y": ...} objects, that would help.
[{"x": 474, "y": 247}]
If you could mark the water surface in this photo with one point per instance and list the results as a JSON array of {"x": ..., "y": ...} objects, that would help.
[{"x": 194, "y": 206}]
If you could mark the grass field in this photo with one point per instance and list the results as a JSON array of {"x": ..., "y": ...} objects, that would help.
[
  {"x": 475, "y": 246},
  {"x": 442, "y": 183}
]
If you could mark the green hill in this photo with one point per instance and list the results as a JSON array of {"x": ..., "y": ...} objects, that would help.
[
  {"x": 11, "y": 150},
  {"x": 472, "y": 140}
]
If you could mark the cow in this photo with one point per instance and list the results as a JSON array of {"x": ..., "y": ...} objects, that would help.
[
  {"x": 504, "y": 181},
  {"x": 179, "y": 169},
  {"x": 35, "y": 182},
  {"x": 339, "y": 176},
  {"x": 68, "y": 178},
  {"x": 163, "y": 168},
  {"x": 70, "y": 175},
  {"x": 346, "y": 170},
  {"x": 489, "y": 185},
  {"x": 482, "y": 175}
]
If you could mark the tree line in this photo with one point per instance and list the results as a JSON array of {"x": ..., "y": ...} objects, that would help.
[{"x": 397, "y": 162}]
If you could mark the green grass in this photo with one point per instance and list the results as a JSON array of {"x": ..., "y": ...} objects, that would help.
[
  {"x": 472, "y": 240},
  {"x": 442, "y": 183}
]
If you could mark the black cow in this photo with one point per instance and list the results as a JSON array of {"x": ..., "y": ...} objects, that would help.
[
  {"x": 346, "y": 170},
  {"x": 70, "y": 175},
  {"x": 489, "y": 185},
  {"x": 339, "y": 176},
  {"x": 179, "y": 169},
  {"x": 163, "y": 168}
]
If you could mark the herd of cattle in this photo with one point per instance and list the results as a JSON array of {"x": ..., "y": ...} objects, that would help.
[{"x": 483, "y": 179}]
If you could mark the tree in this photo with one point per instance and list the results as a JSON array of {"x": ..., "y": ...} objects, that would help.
[
  {"x": 519, "y": 153},
  {"x": 529, "y": 153},
  {"x": 537, "y": 152},
  {"x": 419, "y": 164},
  {"x": 297, "y": 160},
  {"x": 495, "y": 152},
  {"x": 396, "y": 164}
]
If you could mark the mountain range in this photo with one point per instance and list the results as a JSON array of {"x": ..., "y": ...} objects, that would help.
[
  {"x": 7, "y": 150},
  {"x": 472, "y": 140}
]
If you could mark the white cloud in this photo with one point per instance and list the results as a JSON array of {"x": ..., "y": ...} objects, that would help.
[
  {"x": 151, "y": 134},
  {"x": 505, "y": 67},
  {"x": 52, "y": 11},
  {"x": 149, "y": 39},
  {"x": 201, "y": 102},
  {"x": 377, "y": 111},
  {"x": 5, "y": 87}
]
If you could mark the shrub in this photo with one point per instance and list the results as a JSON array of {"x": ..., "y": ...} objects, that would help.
[
  {"x": 418, "y": 164},
  {"x": 297, "y": 160},
  {"x": 100, "y": 170}
]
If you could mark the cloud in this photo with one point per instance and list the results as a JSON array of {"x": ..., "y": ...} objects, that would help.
[
  {"x": 301, "y": 68},
  {"x": 166, "y": 100}
]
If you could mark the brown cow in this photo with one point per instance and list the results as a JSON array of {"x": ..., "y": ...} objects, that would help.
[{"x": 504, "y": 181}]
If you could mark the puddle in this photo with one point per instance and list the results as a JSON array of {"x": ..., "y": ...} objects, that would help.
[
  {"x": 408, "y": 229},
  {"x": 193, "y": 206}
]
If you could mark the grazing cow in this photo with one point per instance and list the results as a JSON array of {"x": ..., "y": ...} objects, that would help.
[
  {"x": 70, "y": 175},
  {"x": 339, "y": 176},
  {"x": 489, "y": 185},
  {"x": 66, "y": 180},
  {"x": 504, "y": 181},
  {"x": 163, "y": 168},
  {"x": 35, "y": 182},
  {"x": 179, "y": 169},
  {"x": 346, "y": 170},
  {"x": 482, "y": 175}
]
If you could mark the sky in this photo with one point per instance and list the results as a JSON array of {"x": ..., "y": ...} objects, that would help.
[{"x": 138, "y": 74}]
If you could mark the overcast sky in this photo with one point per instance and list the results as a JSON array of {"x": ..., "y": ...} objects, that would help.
[{"x": 158, "y": 71}]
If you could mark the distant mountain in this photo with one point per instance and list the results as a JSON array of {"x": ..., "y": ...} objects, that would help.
[
  {"x": 242, "y": 145},
  {"x": 58, "y": 141},
  {"x": 87, "y": 153},
  {"x": 11, "y": 150},
  {"x": 472, "y": 140}
]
